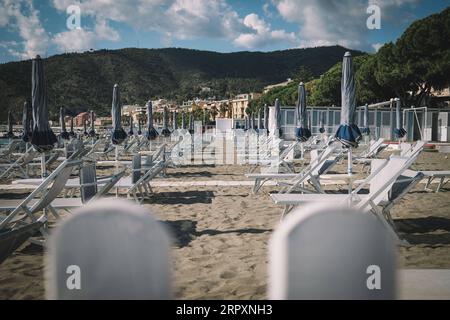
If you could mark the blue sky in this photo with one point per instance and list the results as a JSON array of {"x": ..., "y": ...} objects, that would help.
[{"x": 30, "y": 27}]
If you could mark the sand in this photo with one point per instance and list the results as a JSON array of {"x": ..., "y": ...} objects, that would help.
[{"x": 221, "y": 235}]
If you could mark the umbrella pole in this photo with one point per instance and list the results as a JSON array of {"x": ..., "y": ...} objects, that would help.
[
  {"x": 43, "y": 169},
  {"x": 349, "y": 169},
  {"x": 302, "y": 151}
]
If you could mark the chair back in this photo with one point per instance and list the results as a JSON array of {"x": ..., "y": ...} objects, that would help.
[
  {"x": 329, "y": 252},
  {"x": 109, "y": 249},
  {"x": 88, "y": 181}
]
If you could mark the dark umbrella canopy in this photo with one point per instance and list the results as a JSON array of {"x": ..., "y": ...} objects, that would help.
[
  {"x": 139, "y": 132},
  {"x": 302, "y": 131},
  {"x": 151, "y": 131},
  {"x": 277, "y": 116},
  {"x": 85, "y": 132},
  {"x": 399, "y": 131},
  {"x": 175, "y": 120},
  {"x": 10, "y": 133},
  {"x": 322, "y": 122},
  {"x": 348, "y": 132},
  {"x": 183, "y": 120},
  {"x": 165, "y": 130},
  {"x": 266, "y": 117},
  {"x": 26, "y": 122},
  {"x": 92, "y": 120},
  {"x": 365, "y": 130},
  {"x": 130, "y": 131},
  {"x": 43, "y": 138},
  {"x": 71, "y": 132},
  {"x": 64, "y": 134},
  {"x": 191, "y": 123},
  {"x": 118, "y": 134}
]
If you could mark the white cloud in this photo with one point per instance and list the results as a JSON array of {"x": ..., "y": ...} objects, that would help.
[
  {"x": 35, "y": 39},
  {"x": 262, "y": 34},
  {"x": 324, "y": 22},
  {"x": 75, "y": 40},
  {"x": 182, "y": 19}
]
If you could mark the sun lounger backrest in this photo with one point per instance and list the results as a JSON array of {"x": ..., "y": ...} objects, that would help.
[
  {"x": 404, "y": 183},
  {"x": 378, "y": 185},
  {"x": 112, "y": 249},
  {"x": 136, "y": 166},
  {"x": 57, "y": 186},
  {"x": 109, "y": 185},
  {"x": 329, "y": 252},
  {"x": 88, "y": 182}
]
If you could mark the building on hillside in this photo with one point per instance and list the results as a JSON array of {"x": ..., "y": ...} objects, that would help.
[
  {"x": 81, "y": 118},
  {"x": 282, "y": 84},
  {"x": 103, "y": 121},
  {"x": 134, "y": 111},
  {"x": 240, "y": 103}
]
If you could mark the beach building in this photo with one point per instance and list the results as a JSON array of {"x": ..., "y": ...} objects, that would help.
[{"x": 240, "y": 103}]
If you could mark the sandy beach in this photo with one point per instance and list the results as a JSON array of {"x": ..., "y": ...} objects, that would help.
[{"x": 220, "y": 234}]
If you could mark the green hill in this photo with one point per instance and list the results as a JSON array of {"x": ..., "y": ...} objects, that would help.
[{"x": 85, "y": 80}]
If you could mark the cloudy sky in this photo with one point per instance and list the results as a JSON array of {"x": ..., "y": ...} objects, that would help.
[{"x": 30, "y": 27}]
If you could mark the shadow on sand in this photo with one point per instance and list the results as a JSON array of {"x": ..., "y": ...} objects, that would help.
[
  {"x": 185, "y": 197},
  {"x": 184, "y": 231},
  {"x": 427, "y": 231}
]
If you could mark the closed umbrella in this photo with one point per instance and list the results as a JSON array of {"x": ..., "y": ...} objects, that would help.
[
  {"x": 348, "y": 132},
  {"x": 10, "y": 133},
  {"x": 266, "y": 117},
  {"x": 399, "y": 131},
  {"x": 260, "y": 120},
  {"x": 183, "y": 120},
  {"x": 246, "y": 126},
  {"x": 85, "y": 132},
  {"x": 277, "y": 118},
  {"x": 165, "y": 130},
  {"x": 64, "y": 134},
  {"x": 71, "y": 132},
  {"x": 26, "y": 122},
  {"x": 118, "y": 134},
  {"x": 302, "y": 131},
  {"x": 43, "y": 139},
  {"x": 365, "y": 130},
  {"x": 175, "y": 120},
  {"x": 92, "y": 120},
  {"x": 151, "y": 131},
  {"x": 191, "y": 123},
  {"x": 131, "y": 132},
  {"x": 252, "y": 121},
  {"x": 139, "y": 132},
  {"x": 322, "y": 122}
]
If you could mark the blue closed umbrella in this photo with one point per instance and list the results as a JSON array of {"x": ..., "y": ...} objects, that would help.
[
  {"x": 118, "y": 134},
  {"x": 348, "y": 132},
  {"x": 322, "y": 122},
  {"x": 26, "y": 122},
  {"x": 365, "y": 130},
  {"x": 139, "y": 132},
  {"x": 277, "y": 117},
  {"x": 266, "y": 117},
  {"x": 71, "y": 132},
  {"x": 399, "y": 131},
  {"x": 260, "y": 120},
  {"x": 43, "y": 138},
  {"x": 92, "y": 120},
  {"x": 165, "y": 130},
  {"x": 131, "y": 132},
  {"x": 191, "y": 123},
  {"x": 302, "y": 132},
  {"x": 151, "y": 131},
  {"x": 175, "y": 120},
  {"x": 10, "y": 133},
  {"x": 64, "y": 134}
]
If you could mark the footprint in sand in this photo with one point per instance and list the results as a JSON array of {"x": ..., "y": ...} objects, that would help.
[{"x": 227, "y": 275}]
